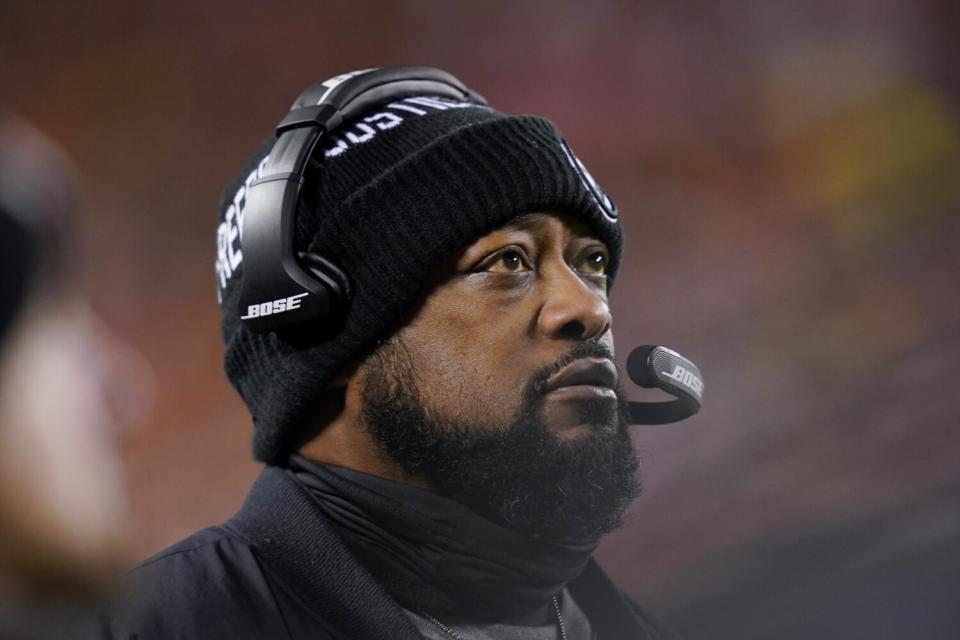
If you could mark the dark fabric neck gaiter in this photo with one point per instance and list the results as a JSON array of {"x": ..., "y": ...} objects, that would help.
[{"x": 434, "y": 555}]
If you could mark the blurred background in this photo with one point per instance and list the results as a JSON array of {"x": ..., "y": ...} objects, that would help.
[{"x": 789, "y": 179}]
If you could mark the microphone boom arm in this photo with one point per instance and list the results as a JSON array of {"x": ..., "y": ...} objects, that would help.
[{"x": 661, "y": 368}]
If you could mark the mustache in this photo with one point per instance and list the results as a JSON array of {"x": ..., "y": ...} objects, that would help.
[{"x": 536, "y": 385}]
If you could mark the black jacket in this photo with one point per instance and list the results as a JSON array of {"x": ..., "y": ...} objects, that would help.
[{"x": 277, "y": 569}]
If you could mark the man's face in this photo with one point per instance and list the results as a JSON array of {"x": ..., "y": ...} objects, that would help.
[{"x": 502, "y": 391}]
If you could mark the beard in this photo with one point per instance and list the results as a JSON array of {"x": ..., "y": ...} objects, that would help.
[{"x": 519, "y": 474}]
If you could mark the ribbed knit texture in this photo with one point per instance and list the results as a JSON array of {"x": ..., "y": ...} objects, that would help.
[{"x": 389, "y": 211}]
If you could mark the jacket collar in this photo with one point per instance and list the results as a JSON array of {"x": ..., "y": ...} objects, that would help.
[{"x": 291, "y": 535}]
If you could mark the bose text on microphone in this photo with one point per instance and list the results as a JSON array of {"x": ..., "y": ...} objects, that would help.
[{"x": 661, "y": 368}]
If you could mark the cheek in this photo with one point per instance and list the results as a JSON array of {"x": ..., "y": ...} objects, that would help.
[{"x": 469, "y": 362}]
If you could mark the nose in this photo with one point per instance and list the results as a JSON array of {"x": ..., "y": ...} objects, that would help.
[{"x": 572, "y": 308}]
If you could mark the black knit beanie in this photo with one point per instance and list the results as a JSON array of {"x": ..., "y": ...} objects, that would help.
[{"x": 388, "y": 198}]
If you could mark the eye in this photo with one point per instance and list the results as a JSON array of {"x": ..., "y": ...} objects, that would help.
[
  {"x": 593, "y": 263},
  {"x": 509, "y": 260}
]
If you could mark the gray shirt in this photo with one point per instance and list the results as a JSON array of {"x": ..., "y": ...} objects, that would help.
[{"x": 575, "y": 623}]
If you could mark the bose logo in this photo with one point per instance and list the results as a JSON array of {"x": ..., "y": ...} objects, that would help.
[
  {"x": 686, "y": 378},
  {"x": 276, "y": 306}
]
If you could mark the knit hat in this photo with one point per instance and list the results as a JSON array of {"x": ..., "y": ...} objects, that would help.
[{"x": 389, "y": 197}]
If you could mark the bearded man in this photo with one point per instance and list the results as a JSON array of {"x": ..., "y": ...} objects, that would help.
[{"x": 446, "y": 444}]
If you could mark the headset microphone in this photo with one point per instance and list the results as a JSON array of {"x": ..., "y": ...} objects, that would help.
[{"x": 658, "y": 367}]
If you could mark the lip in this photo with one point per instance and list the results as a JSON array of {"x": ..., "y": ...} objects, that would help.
[{"x": 589, "y": 372}]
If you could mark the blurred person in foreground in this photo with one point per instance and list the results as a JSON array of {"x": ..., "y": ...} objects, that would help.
[
  {"x": 67, "y": 391},
  {"x": 443, "y": 461}
]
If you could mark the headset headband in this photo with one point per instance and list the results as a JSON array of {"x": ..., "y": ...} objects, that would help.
[{"x": 277, "y": 290}]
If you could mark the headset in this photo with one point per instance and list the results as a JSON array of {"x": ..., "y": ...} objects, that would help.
[
  {"x": 279, "y": 288},
  {"x": 658, "y": 367},
  {"x": 282, "y": 287}
]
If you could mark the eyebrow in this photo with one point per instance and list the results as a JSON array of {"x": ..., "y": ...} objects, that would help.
[{"x": 519, "y": 220}]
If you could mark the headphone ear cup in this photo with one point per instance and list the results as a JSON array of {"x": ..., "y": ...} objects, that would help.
[{"x": 333, "y": 279}]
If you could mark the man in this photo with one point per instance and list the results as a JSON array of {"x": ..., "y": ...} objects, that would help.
[
  {"x": 68, "y": 392},
  {"x": 442, "y": 458}
]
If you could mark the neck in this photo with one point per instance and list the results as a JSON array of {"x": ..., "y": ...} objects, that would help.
[
  {"x": 435, "y": 555},
  {"x": 338, "y": 446},
  {"x": 340, "y": 438}
]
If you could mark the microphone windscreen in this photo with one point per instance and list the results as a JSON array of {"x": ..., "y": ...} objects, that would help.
[{"x": 638, "y": 367}]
